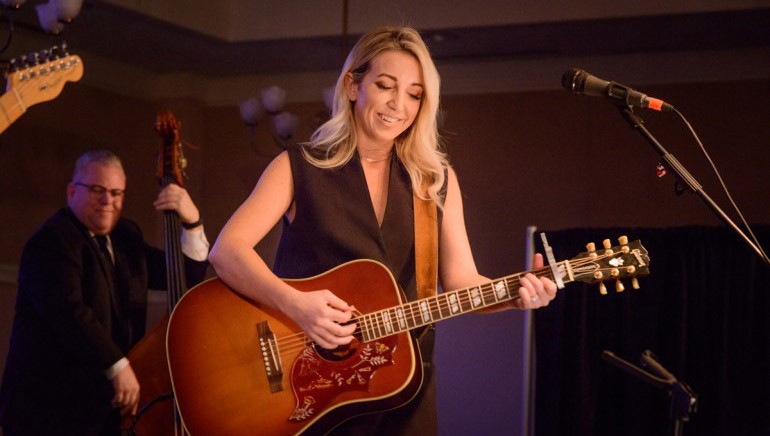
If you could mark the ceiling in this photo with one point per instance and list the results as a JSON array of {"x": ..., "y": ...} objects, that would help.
[{"x": 127, "y": 36}]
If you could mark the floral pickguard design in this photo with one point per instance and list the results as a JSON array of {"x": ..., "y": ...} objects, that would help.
[{"x": 315, "y": 381}]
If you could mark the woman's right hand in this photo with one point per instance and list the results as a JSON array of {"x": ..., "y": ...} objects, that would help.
[{"x": 322, "y": 316}]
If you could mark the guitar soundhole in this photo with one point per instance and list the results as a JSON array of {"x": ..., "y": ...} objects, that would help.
[
  {"x": 343, "y": 351},
  {"x": 340, "y": 353}
]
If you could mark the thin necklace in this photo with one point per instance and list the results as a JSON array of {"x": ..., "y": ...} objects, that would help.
[{"x": 368, "y": 159}]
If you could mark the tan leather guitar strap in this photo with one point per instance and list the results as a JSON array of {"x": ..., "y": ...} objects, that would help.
[{"x": 425, "y": 246}]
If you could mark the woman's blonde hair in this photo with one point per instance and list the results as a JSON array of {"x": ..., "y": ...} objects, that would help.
[{"x": 333, "y": 144}]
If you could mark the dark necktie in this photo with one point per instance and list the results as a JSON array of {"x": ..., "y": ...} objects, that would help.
[
  {"x": 102, "y": 241},
  {"x": 121, "y": 331}
]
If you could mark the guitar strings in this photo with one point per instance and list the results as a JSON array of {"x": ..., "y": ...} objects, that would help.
[
  {"x": 293, "y": 343},
  {"x": 175, "y": 278}
]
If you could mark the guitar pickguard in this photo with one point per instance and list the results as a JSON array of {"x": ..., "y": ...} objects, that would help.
[{"x": 316, "y": 381}]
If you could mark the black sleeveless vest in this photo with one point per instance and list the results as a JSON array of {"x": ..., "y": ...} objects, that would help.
[{"x": 335, "y": 222}]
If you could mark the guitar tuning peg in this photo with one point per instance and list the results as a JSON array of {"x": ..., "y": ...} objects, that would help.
[
  {"x": 64, "y": 49},
  {"x": 591, "y": 247},
  {"x": 12, "y": 66},
  {"x": 635, "y": 283},
  {"x": 619, "y": 286},
  {"x": 623, "y": 240},
  {"x": 607, "y": 247},
  {"x": 602, "y": 288},
  {"x": 45, "y": 55}
]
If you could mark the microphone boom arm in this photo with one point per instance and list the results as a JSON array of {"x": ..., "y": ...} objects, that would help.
[{"x": 638, "y": 124}]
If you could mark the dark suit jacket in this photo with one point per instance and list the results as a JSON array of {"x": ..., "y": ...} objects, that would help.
[{"x": 76, "y": 316}]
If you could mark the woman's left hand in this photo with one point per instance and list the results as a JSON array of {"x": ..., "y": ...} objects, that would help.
[{"x": 535, "y": 291}]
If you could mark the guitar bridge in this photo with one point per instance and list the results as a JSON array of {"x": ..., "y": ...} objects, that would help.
[{"x": 270, "y": 356}]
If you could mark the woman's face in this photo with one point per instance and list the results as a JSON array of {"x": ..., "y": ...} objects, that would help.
[{"x": 387, "y": 99}]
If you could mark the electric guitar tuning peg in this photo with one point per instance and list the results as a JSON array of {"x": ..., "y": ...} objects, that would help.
[
  {"x": 602, "y": 288},
  {"x": 635, "y": 283},
  {"x": 619, "y": 286}
]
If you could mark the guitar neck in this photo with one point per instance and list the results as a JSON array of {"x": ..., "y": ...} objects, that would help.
[
  {"x": 419, "y": 313},
  {"x": 12, "y": 106}
]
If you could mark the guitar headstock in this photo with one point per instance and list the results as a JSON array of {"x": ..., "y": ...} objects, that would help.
[
  {"x": 171, "y": 160},
  {"x": 627, "y": 260},
  {"x": 40, "y": 76}
]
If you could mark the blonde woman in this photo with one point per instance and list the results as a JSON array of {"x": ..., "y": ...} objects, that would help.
[{"x": 348, "y": 194}]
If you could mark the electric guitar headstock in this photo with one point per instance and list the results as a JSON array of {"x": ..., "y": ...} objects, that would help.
[
  {"x": 40, "y": 76},
  {"x": 171, "y": 160},
  {"x": 627, "y": 260}
]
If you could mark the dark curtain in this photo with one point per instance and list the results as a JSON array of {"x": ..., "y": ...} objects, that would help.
[{"x": 704, "y": 311}]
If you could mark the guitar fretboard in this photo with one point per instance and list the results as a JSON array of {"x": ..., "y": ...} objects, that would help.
[
  {"x": 175, "y": 277},
  {"x": 426, "y": 311}
]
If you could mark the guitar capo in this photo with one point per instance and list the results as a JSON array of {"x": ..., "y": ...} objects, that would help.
[{"x": 552, "y": 262}]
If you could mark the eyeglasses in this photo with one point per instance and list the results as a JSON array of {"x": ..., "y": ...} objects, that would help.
[{"x": 98, "y": 190}]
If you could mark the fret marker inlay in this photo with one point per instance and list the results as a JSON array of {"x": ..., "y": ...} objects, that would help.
[
  {"x": 425, "y": 311},
  {"x": 453, "y": 303}
]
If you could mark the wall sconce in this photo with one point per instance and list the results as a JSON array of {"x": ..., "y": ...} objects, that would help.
[
  {"x": 54, "y": 14},
  {"x": 51, "y": 15},
  {"x": 66, "y": 10},
  {"x": 46, "y": 15},
  {"x": 251, "y": 111},
  {"x": 283, "y": 124},
  {"x": 273, "y": 99}
]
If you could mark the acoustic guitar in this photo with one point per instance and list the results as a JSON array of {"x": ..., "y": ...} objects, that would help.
[
  {"x": 36, "y": 78},
  {"x": 240, "y": 368}
]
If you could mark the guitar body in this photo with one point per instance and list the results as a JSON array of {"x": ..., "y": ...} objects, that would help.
[{"x": 220, "y": 377}]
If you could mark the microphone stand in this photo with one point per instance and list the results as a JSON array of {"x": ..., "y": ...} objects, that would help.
[
  {"x": 683, "y": 399},
  {"x": 637, "y": 123}
]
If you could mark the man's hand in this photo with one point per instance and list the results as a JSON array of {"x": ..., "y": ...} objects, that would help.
[
  {"x": 126, "y": 388},
  {"x": 174, "y": 197}
]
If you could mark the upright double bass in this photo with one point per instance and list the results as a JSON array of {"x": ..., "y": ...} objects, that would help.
[{"x": 157, "y": 413}]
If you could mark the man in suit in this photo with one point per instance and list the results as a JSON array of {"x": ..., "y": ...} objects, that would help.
[{"x": 83, "y": 280}]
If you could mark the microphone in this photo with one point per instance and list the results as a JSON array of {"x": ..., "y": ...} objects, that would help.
[{"x": 581, "y": 82}]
